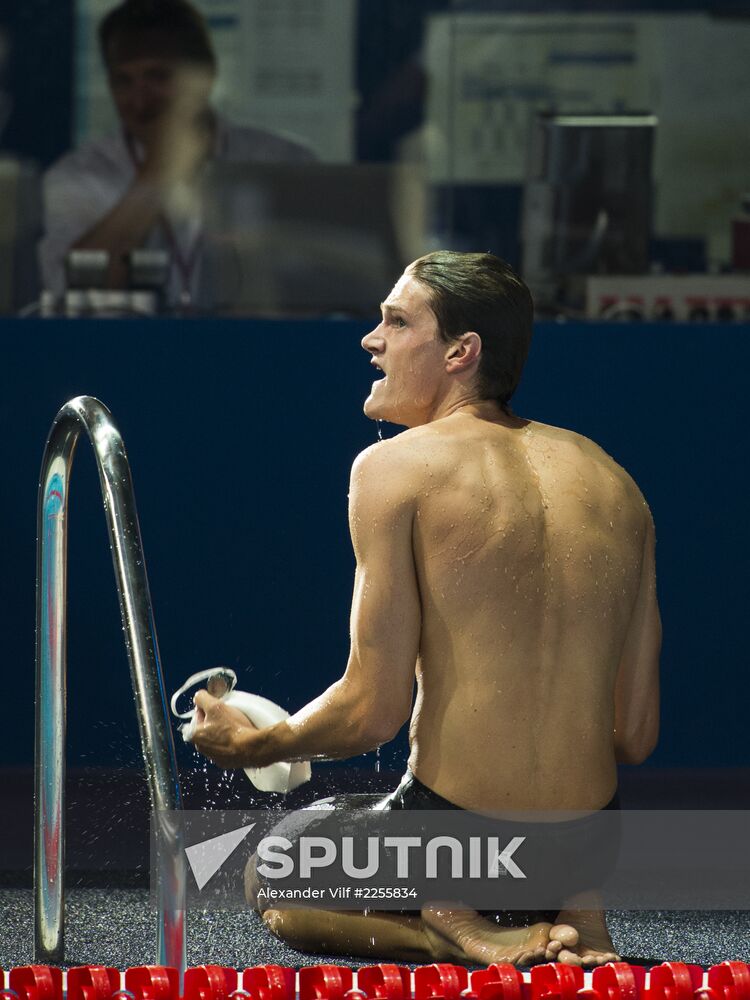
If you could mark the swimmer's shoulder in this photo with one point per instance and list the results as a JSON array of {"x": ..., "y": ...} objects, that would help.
[
  {"x": 396, "y": 465},
  {"x": 591, "y": 451}
]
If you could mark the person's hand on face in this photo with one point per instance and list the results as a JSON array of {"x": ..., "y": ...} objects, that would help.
[
  {"x": 164, "y": 105},
  {"x": 180, "y": 137}
]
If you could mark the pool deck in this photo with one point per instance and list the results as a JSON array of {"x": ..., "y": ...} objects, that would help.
[
  {"x": 110, "y": 919},
  {"x": 116, "y": 927}
]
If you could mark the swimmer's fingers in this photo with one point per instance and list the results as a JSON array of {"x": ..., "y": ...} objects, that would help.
[
  {"x": 203, "y": 702},
  {"x": 208, "y": 708},
  {"x": 223, "y": 734}
]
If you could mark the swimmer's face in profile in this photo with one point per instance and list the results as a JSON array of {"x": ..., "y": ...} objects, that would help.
[{"x": 406, "y": 348}]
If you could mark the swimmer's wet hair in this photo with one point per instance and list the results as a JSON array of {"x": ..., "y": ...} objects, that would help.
[
  {"x": 479, "y": 292},
  {"x": 172, "y": 28}
]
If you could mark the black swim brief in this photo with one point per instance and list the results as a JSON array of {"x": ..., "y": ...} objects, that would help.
[
  {"x": 559, "y": 846},
  {"x": 412, "y": 794},
  {"x": 566, "y": 840}
]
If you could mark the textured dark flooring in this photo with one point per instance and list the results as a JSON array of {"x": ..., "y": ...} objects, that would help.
[
  {"x": 110, "y": 919},
  {"x": 117, "y": 927}
]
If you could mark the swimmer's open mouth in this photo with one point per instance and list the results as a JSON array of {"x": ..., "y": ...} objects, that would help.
[{"x": 377, "y": 367}]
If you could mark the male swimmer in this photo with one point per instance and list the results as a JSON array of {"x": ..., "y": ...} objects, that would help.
[{"x": 508, "y": 567}]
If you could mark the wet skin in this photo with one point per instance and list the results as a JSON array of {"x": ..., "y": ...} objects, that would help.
[
  {"x": 508, "y": 567},
  {"x": 532, "y": 560}
]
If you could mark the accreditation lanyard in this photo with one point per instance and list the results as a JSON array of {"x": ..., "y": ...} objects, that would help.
[{"x": 184, "y": 262}]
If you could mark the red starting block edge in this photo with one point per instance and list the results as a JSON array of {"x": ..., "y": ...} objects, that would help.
[{"x": 616, "y": 981}]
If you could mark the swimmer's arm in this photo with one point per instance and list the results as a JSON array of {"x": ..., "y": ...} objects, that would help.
[
  {"x": 372, "y": 700},
  {"x": 637, "y": 685}
]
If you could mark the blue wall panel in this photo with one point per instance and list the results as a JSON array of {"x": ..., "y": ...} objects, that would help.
[{"x": 241, "y": 435}]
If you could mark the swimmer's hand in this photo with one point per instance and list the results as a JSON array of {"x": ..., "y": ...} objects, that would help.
[{"x": 222, "y": 733}]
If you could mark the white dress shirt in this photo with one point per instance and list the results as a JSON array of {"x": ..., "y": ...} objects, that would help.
[{"x": 85, "y": 184}]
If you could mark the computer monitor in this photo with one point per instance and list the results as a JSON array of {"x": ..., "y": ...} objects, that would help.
[
  {"x": 309, "y": 238},
  {"x": 587, "y": 200}
]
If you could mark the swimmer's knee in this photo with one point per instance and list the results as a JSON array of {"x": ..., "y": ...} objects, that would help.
[
  {"x": 284, "y": 925},
  {"x": 274, "y": 921},
  {"x": 251, "y": 882}
]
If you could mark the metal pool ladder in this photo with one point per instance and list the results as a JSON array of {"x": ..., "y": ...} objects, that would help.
[{"x": 88, "y": 414}]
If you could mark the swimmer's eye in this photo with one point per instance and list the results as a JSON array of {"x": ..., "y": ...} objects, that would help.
[{"x": 399, "y": 321}]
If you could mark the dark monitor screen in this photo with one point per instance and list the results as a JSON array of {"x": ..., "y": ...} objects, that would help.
[{"x": 310, "y": 238}]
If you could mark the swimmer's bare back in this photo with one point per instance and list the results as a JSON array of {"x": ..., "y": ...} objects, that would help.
[{"x": 540, "y": 633}]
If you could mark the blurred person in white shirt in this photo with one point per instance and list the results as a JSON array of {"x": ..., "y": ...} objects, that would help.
[{"x": 141, "y": 185}]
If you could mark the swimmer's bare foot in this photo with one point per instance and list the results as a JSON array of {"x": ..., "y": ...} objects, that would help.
[
  {"x": 375, "y": 935},
  {"x": 463, "y": 932},
  {"x": 580, "y": 937}
]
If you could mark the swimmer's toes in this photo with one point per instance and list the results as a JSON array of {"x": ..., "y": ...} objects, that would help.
[
  {"x": 588, "y": 960},
  {"x": 599, "y": 958},
  {"x": 480, "y": 941},
  {"x": 569, "y": 958},
  {"x": 564, "y": 934}
]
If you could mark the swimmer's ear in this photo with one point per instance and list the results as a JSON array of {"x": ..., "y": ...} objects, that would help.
[{"x": 463, "y": 354}]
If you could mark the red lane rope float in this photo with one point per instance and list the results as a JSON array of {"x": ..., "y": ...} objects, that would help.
[
  {"x": 92, "y": 982},
  {"x": 615, "y": 981},
  {"x": 730, "y": 980},
  {"x": 561, "y": 982},
  {"x": 386, "y": 982},
  {"x": 618, "y": 981},
  {"x": 324, "y": 982},
  {"x": 37, "y": 982},
  {"x": 674, "y": 981},
  {"x": 498, "y": 982},
  {"x": 209, "y": 982},
  {"x": 270, "y": 982},
  {"x": 440, "y": 980},
  {"x": 153, "y": 982}
]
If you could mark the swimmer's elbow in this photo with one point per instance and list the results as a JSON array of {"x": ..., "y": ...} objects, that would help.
[
  {"x": 380, "y": 728},
  {"x": 633, "y": 755},
  {"x": 637, "y": 747},
  {"x": 376, "y": 716}
]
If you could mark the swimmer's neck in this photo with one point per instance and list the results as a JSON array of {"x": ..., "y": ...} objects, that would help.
[{"x": 488, "y": 410}]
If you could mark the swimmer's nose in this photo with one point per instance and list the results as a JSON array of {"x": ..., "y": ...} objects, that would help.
[{"x": 372, "y": 342}]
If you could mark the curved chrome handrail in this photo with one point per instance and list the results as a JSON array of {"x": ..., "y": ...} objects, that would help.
[{"x": 88, "y": 414}]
